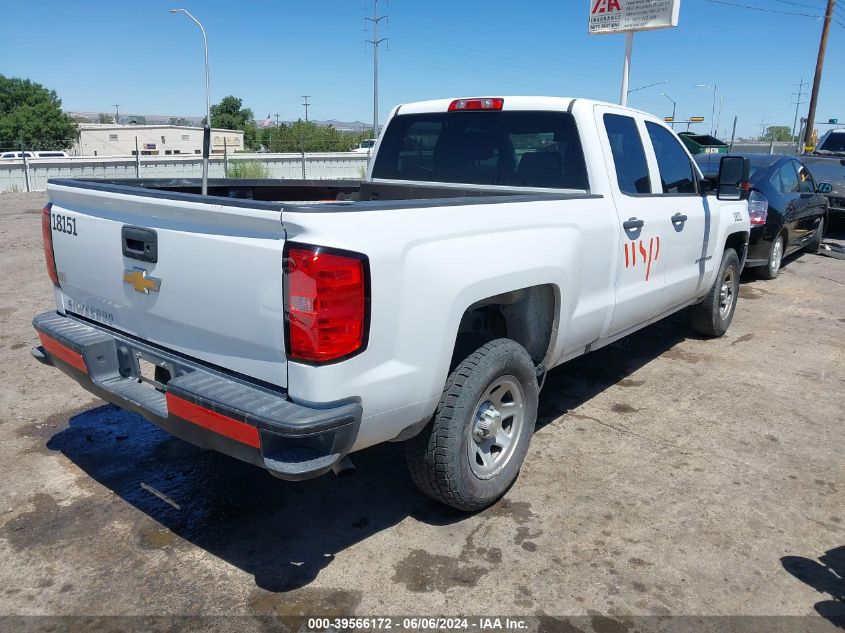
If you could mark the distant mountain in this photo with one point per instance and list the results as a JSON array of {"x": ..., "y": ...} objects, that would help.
[
  {"x": 165, "y": 119},
  {"x": 128, "y": 118}
]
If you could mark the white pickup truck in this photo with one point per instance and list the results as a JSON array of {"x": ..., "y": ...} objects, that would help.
[{"x": 492, "y": 239}]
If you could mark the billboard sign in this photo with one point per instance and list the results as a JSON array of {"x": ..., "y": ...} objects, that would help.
[{"x": 623, "y": 16}]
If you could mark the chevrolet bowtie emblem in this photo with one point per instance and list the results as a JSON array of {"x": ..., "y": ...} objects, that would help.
[{"x": 138, "y": 279}]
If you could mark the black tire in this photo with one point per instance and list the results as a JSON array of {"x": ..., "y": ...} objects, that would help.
[
  {"x": 713, "y": 315},
  {"x": 438, "y": 458},
  {"x": 775, "y": 260},
  {"x": 816, "y": 243}
]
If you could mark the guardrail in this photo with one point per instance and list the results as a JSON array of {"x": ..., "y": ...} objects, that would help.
[{"x": 15, "y": 176}]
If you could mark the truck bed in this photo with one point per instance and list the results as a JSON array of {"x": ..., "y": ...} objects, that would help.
[{"x": 299, "y": 191}]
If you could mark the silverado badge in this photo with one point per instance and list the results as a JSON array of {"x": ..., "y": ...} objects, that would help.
[{"x": 138, "y": 279}]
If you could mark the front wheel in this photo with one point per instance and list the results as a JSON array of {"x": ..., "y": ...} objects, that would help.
[
  {"x": 714, "y": 314},
  {"x": 471, "y": 452}
]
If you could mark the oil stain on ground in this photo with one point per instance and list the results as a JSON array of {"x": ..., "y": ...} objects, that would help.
[
  {"x": 305, "y": 601},
  {"x": 423, "y": 572},
  {"x": 519, "y": 511},
  {"x": 679, "y": 354}
]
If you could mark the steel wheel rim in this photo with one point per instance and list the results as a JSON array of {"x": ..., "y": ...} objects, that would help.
[
  {"x": 777, "y": 255},
  {"x": 726, "y": 294},
  {"x": 496, "y": 427}
]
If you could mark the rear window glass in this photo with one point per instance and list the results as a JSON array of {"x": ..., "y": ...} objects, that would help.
[
  {"x": 628, "y": 154},
  {"x": 834, "y": 143},
  {"x": 519, "y": 149}
]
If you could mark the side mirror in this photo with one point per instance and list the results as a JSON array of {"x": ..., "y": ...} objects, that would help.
[
  {"x": 733, "y": 178},
  {"x": 824, "y": 187}
]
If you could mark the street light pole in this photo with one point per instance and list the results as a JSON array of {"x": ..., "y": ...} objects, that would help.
[
  {"x": 206, "y": 135},
  {"x": 713, "y": 120},
  {"x": 674, "y": 106},
  {"x": 626, "y": 67}
]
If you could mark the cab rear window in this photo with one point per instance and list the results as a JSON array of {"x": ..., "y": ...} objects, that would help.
[{"x": 509, "y": 148}]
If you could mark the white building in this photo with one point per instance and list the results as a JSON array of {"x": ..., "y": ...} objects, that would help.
[{"x": 152, "y": 140}]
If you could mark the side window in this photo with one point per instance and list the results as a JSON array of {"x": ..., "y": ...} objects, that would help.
[
  {"x": 676, "y": 172},
  {"x": 805, "y": 179},
  {"x": 788, "y": 178},
  {"x": 628, "y": 154}
]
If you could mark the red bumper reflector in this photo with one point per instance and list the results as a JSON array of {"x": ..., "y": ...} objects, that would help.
[
  {"x": 74, "y": 359},
  {"x": 213, "y": 421}
]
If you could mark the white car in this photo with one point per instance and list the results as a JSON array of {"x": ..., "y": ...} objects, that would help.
[
  {"x": 41, "y": 154},
  {"x": 493, "y": 239},
  {"x": 16, "y": 155},
  {"x": 366, "y": 146}
]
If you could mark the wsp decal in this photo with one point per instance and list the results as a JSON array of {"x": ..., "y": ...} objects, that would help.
[{"x": 636, "y": 250}]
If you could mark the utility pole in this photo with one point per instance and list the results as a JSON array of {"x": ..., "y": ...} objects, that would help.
[
  {"x": 117, "y": 114},
  {"x": 814, "y": 95},
  {"x": 733, "y": 137},
  {"x": 798, "y": 103},
  {"x": 306, "y": 104},
  {"x": 375, "y": 42}
]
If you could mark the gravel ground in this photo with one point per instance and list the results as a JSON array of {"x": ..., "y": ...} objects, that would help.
[{"x": 669, "y": 475}]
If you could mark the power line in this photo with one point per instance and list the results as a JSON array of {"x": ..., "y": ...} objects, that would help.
[
  {"x": 801, "y": 4},
  {"x": 778, "y": 11}
]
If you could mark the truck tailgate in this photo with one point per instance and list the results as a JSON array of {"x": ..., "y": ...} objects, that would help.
[{"x": 214, "y": 292}]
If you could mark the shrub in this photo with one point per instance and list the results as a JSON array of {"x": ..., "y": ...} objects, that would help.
[{"x": 253, "y": 169}]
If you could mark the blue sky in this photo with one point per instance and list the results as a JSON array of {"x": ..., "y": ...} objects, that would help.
[{"x": 97, "y": 53}]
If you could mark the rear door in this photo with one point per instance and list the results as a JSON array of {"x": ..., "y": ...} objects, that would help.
[
  {"x": 786, "y": 178},
  {"x": 812, "y": 205},
  {"x": 642, "y": 228},
  {"x": 187, "y": 273}
]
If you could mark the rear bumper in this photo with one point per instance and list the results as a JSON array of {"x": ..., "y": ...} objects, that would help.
[{"x": 200, "y": 404}]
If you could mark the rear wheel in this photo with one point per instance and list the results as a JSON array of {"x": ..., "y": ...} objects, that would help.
[
  {"x": 714, "y": 314},
  {"x": 471, "y": 452},
  {"x": 772, "y": 267},
  {"x": 816, "y": 242}
]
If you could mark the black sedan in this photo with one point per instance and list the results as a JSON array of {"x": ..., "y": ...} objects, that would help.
[{"x": 787, "y": 211}]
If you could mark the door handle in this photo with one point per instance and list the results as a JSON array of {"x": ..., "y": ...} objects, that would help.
[
  {"x": 679, "y": 218},
  {"x": 139, "y": 243},
  {"x": 632, "y": 223}
]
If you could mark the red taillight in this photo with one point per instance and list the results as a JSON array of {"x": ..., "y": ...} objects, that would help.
[
  {"x": 758, "y": 208},
  {"x": 47, "y": 236},
  {"x": 485, "y": 103},
  {"x": 326, "y": 304}
]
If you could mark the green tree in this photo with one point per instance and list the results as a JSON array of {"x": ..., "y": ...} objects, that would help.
[
  {"x": 300, "y": 136},
  {"x": 177, "y": 120},
  {"x": 778, "y": 133},
  {"x": 105, "y": 118},
  {"x": 31, "y": 115},
  {"x": 230, "y": 114}
]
